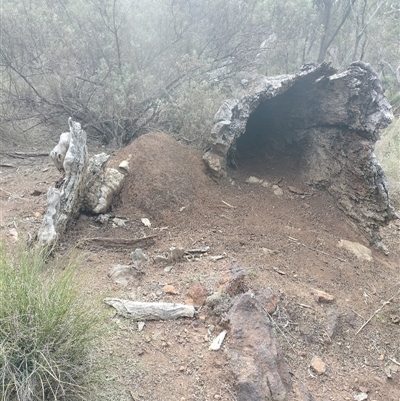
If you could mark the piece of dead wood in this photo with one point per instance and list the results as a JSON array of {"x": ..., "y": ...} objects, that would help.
[
  {"x": 150, "y": 310},
  {"x": 7, "y": 165},
  {"x": 26, "y": 154},
  {"x": 227, "y": 204},
  {"x": 377, "y": 311},
  {"x": 116, "y": 242},
  {"x": 275, "y": 269},
  {"x": 323, "y": 253},
  {"x": 198, "y": 250}
]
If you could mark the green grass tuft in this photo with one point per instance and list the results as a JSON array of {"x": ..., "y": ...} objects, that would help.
[{"x": 46, "y": 330}]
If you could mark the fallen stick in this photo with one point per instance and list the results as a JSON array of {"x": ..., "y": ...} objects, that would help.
[
  {"x": 7, "y": 165},
  {"x": 150, "y": 310},
  {"x": 27, "y": 154},
  {"x": 227, "y": 204},
  {"x": 115, "y": 242},
  {"x": 324, "y": 253},
  {"x": 376, "y": 312},
  {"x": 394, "y": 361}
]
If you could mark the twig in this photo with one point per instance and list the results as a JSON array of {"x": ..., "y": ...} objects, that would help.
[
  {"x": 394, "y": 361},
  {"x": 227, "y": 204},
  {"x": 306, "y": 306},
  {"x": 7, "y": 165},
  {"x": 377, "y": 311},
  {"x": 230, "y": 392},
  {"x": 276, "y": 325},
  {"x": 324, "y": 253},
  {"x": 12, "y": 195},
  {"x": 115, "y": 242},
  {"x": 131, "y": 394}
]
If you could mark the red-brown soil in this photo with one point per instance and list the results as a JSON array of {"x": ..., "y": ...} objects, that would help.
[{"x": 287, "y": 243}]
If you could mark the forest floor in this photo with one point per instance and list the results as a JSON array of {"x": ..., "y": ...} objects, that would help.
[{"x": 286, "y": 242}]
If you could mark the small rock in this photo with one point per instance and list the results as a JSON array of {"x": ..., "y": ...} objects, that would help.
[
  {"x": 295, "y": 190},
  {"x": 124, "y": 165},
  {"x": 322, "y": 296},
  {"x": 121, "y": 274},
  {"x": 332, "y": 316},
  {"x": 318, "y": 365},
  {"x": 145, "y": 221},
  {"x": 265, "y": 184},
  {"x": 176, "y": 253},
  {"x": 360, "y": 397},
  {"x": 278, "y": 191},
  {"x": 361, "y": 251},
  {"x": 119, "y": 222},
  {"x": 198, "y": 293},
  {"x": 38, "y": 215},
  {"x": 254, "y": 180},
  {"x": 140, "y": 325},
  {"x": 138, "y": 257},
  {"x": 182, "y": 369},
  {"x": 167, "y": 269},
  {"x": 170, "y": 289}
]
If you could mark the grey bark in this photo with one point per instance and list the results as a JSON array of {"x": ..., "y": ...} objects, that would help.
[
  {"x": 150, "y": 310},
  {"x": 63, "y": 204},
  {"x": 334, "y": 118}
]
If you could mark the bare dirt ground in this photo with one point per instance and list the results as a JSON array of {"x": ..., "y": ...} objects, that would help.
[{"x": 285, "y": 242}]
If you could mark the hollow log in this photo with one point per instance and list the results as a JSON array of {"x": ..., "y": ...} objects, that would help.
[
  {"x": 329, "y": 120},
  {"x": 150, "y": 310}
]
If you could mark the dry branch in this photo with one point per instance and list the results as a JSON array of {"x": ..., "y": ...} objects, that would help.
[
  {"x": 377, "y": 311},
  {"x": 150, "y": 310},
  {"x": 116, "y": 242}
]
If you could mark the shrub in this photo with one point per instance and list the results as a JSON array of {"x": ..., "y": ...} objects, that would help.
[
  {"x": 46, "y": 332},
  {"x": 388, "y": 153}
]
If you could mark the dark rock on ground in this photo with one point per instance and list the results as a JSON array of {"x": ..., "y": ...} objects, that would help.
[{"x": 257, "y": 361}]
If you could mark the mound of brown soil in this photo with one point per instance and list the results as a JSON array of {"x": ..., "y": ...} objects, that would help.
[{"x": 164, "y": 177}]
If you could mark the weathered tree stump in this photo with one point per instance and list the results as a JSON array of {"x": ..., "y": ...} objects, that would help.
[
  {"x": 330, "y": 121},
  {"x": 63, "y": 204},
  {"x": 88, "y": 185},
  {"x": 257, "y": 360}
]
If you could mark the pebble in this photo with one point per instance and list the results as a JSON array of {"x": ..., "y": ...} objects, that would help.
[
  {"x": 277, "y": 190},
  {"x": 360, "y": 397},
  {"x": 119, "y": 222},
  {"x": 253, "y": 180},
  {"x": 318, "y": 365},
  {"x": 170, "y": 289}
]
